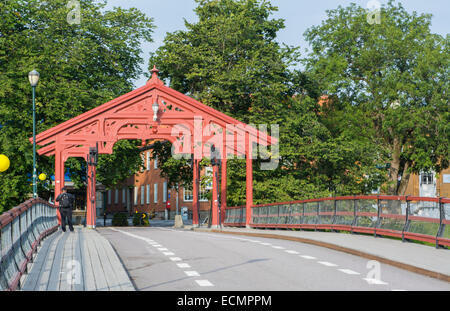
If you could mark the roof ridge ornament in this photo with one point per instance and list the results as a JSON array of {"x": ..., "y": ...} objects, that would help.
[{"x": 155, "y": 79}]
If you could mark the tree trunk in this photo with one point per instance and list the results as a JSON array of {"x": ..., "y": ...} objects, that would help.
[
  {"x": 395, "y": 168},
  {"x": 405, "y": 180}
]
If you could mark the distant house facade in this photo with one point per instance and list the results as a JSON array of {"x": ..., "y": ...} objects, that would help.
[
  {"x": 427, "y": 185},
  {"x": 148, "y": 192}
]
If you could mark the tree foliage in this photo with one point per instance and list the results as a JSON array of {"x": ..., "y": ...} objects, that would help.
[
  {"x": 81, "y": 66},
  {"x": 390, "y": 82}
]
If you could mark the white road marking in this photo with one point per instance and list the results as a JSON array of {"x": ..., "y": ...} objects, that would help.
[
  {"x": 375, "y": 281},
  {"x": 204, "y": 283},
  {"x": 157, "y": 245},
  {"x": 278, "y": 247},
  {"x": 192, "y": 273},
  {"x": 308, "y": 257},
  {"x": 347, "y": 271},
  {"x": 162, "y": 249},
  {"x": 328, "y": 264},
  {"x": 399, "y": 290},
  {"x": 292, "y": 252},
  {"x": 168, "y": 253},
  {"x": 175, "y": 258},
  {"x": 266, "y": 244},
  {"x": 253, "y": 241},
  {"x": 183, "y": 265}
]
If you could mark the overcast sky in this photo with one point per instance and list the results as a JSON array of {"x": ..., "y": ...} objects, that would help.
[{"x": 299, "y": 15}]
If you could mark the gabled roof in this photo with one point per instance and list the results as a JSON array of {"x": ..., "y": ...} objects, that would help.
[{"x": 49, "y": 136}]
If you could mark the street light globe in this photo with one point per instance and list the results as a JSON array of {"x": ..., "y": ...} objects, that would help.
[
  {"x": 42, "y": 177},
  {"x": 4, "y": 163},
  {"x": 33, "y": 77}
]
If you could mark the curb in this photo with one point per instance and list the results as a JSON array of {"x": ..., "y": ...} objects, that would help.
[{"x": 397, "y": 264}]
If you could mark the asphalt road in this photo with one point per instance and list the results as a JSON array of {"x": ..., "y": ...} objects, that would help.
[{"x": 165, "y": 259}]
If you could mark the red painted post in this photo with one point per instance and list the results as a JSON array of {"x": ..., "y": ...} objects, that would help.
[
  {"x": 223, "y": 186},
  {"x": 59, "y": 179},
  {"x": 215, "y": 199},
  {"x": 249, "y": 182},
  {"x": 195, "y": 209}
]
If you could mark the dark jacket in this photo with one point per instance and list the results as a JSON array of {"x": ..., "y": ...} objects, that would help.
[{"x": 71, "y": 200}]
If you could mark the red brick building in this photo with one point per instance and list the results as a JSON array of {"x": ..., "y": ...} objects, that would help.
[{"x": 147, "y": 192}]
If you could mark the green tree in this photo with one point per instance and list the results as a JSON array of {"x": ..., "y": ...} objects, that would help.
[
  {"x": 230, "y": 60},
  {"x": 81, "y": 65},
  {"x": 390, "y": 85}
]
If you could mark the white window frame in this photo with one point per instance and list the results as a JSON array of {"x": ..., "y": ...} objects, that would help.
[
  {"x": 148, "y": 194},
  {"x": 155, "y": 193},
  {"x": 116, "y": 196},
  {"x": 135, "y": 195},
  {"x": 142, "y": 195},
  {"x": 148, "y": 160},
  {"x": 156, "y": 162},
  {"x": 124, "y": 195}
]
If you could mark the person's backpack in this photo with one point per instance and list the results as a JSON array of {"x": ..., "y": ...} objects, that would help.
[{"x": 66, "y": 201}]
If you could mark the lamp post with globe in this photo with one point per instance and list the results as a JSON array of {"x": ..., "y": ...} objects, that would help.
[{"x": 33, "y": 77}]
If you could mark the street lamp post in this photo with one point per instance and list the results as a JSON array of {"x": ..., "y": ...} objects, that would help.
[{"x": 33, "y": 77}]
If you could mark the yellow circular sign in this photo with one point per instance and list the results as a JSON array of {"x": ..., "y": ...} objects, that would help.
[
  {"x": 42, "y": 177},
  {"x": 4, "y": 163}
]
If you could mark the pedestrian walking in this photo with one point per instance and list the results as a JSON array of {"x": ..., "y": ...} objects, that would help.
[{"x": 66, "y": 201}]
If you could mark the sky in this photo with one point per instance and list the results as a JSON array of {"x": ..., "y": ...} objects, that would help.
[{"x": 299, "y": 15}]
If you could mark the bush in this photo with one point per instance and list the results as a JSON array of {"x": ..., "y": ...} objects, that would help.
[
  {"x": 140, "y": 219},
  {"x": 120, "y": 220}
]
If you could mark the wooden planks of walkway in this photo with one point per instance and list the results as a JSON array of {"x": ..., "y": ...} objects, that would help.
[{"x": 77, "y": 261}]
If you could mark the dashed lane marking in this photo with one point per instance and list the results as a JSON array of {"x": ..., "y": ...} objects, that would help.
[
  {"x": 175, "y": 258},
  {"x": 292, "y": 252},
  {"x": 308, "y": 257},
  {"x": 328, "y": 264},
  {"x": 168, "y": 253},
  {"x": 183, "y": 265},
  {"x": 192, "y": 273},
  {"x": 204, "y": 283},
  {"x": 347, "y": 271}
]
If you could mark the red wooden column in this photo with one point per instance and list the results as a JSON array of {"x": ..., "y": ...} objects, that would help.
[
  {"x": 249, "y": 181},
  {"x": 223, "y": 191},
  {"x": 91, "y": 212},
  {"x": 215, "y": 198},
  {"x": 59, "y": 179},
  {"x": 195, "y": 209}
]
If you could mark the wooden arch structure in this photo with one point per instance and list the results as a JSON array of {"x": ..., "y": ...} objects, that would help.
[{"x": 177, "y": 118}]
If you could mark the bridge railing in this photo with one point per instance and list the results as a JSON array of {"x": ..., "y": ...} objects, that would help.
[
  {"x": 21, "y": 231},
  {"x": 406, "y": 217}
]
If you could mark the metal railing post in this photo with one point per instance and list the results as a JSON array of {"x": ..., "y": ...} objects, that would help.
[
  {"x": 441, "y": 222},
  {"x": 407, "y": 222},
  {"x": 377, "y": 223}
]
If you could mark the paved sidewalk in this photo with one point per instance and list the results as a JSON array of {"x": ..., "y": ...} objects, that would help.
[
  {"x": 77, "y": 261},
  {"x": 418, "y": 258}
]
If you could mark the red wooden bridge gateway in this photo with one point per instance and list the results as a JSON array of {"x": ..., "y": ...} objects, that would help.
[{"x": 155, "y": 112}]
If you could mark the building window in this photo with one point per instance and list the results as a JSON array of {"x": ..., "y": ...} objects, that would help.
[
  {"x": 143, "y": 161},
  {"x": 165, "y": 192},
  {"x": 142, "y": 195},
  {"x": 148, "y": 161},
  {"x": 148, "y": 194},
  {"x": 124, "y": 195},
  {"x": 156, "y": 162},
  {"x": 427, "y": 179},
  {"x": 155, "y": 190},
  {"x": 188, "y": 195},
  {"x": 135, "y": 195},
  {"x": 116, "y": 196},
  {"x": 109, "y": 197}
]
